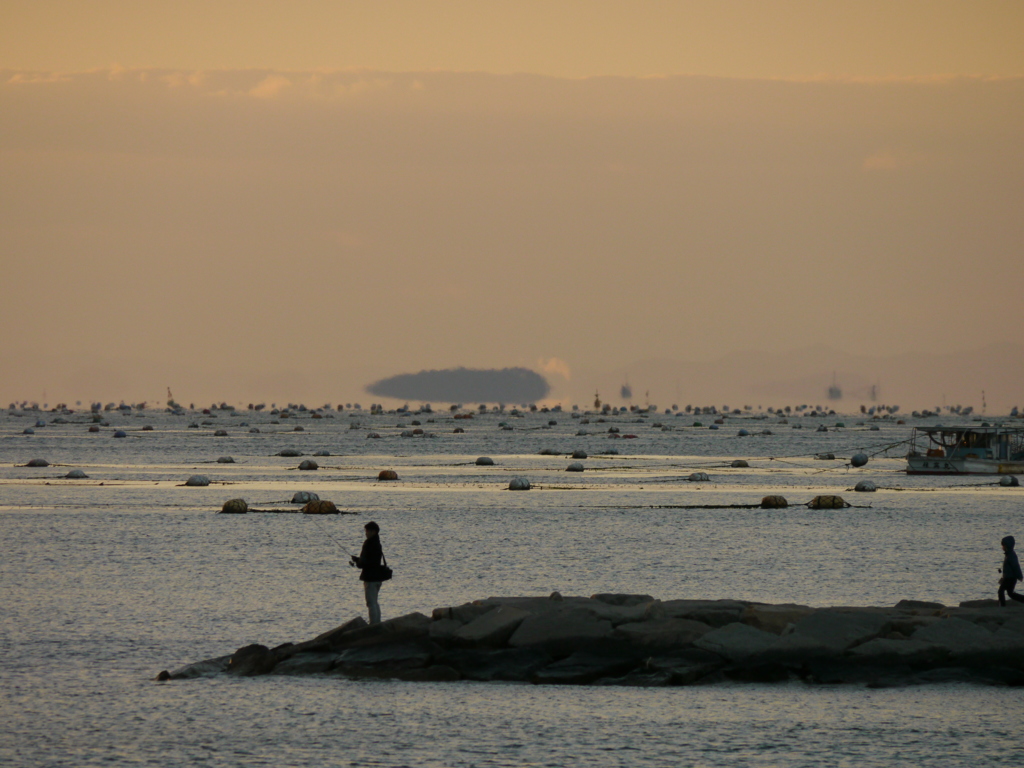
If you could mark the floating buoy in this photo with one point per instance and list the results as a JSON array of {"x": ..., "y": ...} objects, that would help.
[
  {"x": 827, "y": 502},
  {"x": 234, "y": 507},
  {"x": 198, "y": 481},
  {"x": 318, "y": 507},
  {"x": 865, "y": 486},
  {"x": 387, "y": 474},
  {"x": 303, "y": 497},
  {"x": 519, "y": 484},
  {"x": 739, "y": 464},
  {"x": 774, "y": 502},
  {"x": 484, "y": 461},
  {"x": 309, "y": 465},
  {"x": 859, "y": 459}
]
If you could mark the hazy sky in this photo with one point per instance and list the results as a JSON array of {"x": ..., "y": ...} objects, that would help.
[
  {"x": 581, "y": 38},
  {"x": 256, "y": 200}
]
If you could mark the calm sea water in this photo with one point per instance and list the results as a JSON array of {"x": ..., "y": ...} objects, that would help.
[{"x": 106, "y": 581}]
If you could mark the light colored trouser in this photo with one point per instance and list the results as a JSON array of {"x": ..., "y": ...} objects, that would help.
[{"x": 372, "y": 589}]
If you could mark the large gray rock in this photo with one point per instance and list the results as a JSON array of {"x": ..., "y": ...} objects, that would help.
[
  {"x": 494, "y": 628},
  {"x": 306, "y": 664},
  {"x": 510, "y": 665},
  {"x": 736, "y": 641},
  {"x": 829, "y": 632},
  {"x": 442, "y": 630},
  {"x": 661, "y": 634},
  {"x": 389, "y": 657},
  {"x": 714, "y": 613},
  {"x": 559, "y": 628},
  {"x": 251, "y": 660},
  {"x": 400, "y": 629},
  {"x": 614, "y": 598},
  {"x": 885, "y": 651},
  {"x": 207, "y": 668},
  {"x": 920, "y": 606},
  {"x": 583, "y": 668},
  {"x": 774, "y": 618},
  {"x": 464, "y": 613},
  {"x": 955, "y": 636},
  {"x": 333, "y": 635},
  {"x": 685, "y": 667}
]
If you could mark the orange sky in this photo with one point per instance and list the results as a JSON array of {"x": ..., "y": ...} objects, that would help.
[
  {"x": 260, "y": 205},
  {"x": 729, "y": 38}
]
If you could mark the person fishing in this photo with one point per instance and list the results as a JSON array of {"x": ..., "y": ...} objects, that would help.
[
  {"x": 1010, "y": 571},
  {"x": 373, "y": 572}
]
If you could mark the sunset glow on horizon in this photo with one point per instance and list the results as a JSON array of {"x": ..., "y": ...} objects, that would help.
[{"x": 295, "y": 202}]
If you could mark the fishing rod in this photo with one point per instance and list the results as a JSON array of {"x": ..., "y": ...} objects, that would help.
[{"x": 337, "y": 543}]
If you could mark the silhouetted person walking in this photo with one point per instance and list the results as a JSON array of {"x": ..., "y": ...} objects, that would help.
[
  {"x": 1011, "y": 572},
  {"x": 373, "y": 572}
]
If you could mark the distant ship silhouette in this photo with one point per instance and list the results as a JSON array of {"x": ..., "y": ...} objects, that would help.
[{"x": 834, "y": 391}]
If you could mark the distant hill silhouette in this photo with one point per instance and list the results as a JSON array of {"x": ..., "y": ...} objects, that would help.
[{"x": 458, "y": 385}]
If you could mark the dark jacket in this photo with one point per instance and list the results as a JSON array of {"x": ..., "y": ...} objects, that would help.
[
  {"x": 369, "y": 560},
  {"x": 1011, "y": 565}
]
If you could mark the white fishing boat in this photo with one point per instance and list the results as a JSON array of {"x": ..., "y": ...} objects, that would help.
[{"x": 964, "y": 450}]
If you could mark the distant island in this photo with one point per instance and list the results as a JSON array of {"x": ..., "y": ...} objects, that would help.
[{"x": 458, "y": 385}]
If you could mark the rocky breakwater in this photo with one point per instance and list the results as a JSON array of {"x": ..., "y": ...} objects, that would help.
[{"x": 639, "y": 641}]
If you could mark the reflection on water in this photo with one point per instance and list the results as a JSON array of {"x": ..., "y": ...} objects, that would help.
[{"x": 103, "y": 582}]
